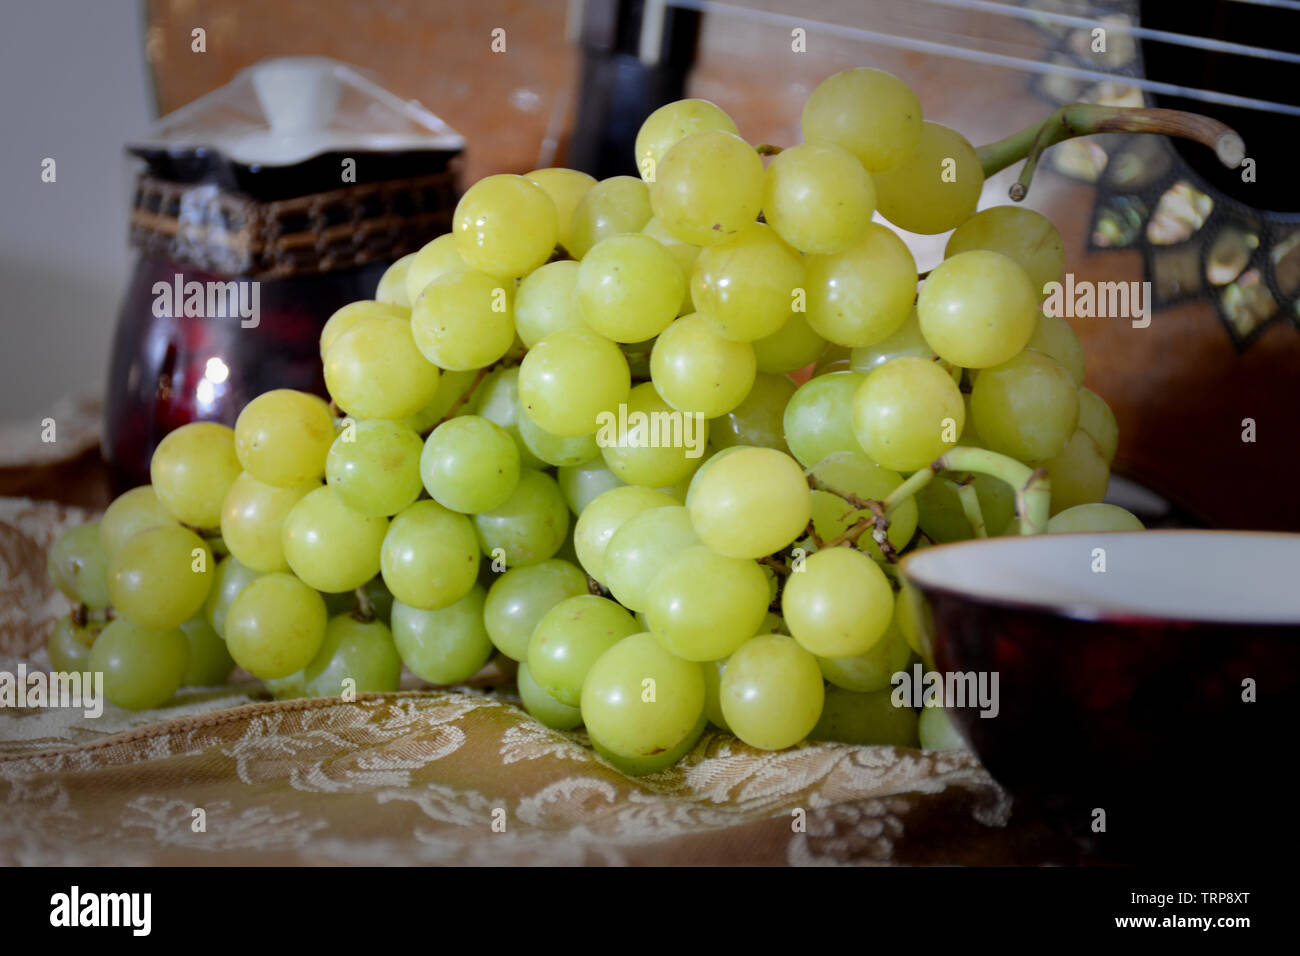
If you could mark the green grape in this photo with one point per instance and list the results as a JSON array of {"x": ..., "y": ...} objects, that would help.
[
  {"x": 641, "y": 766},
  {"x": 392, "y": 284},
  {"x": 696, "y": 370},
  {"x": 629, "y": 288},
  {"x": 818, "y": 419},
  {"x": 276, "y": 626},
  {"x": 374, "y": 466},
  {"x": 78, "y": 566},
  {"x": 707, "y": 186},
  {"x": 935, "y": 731},
  {"x": 703, "y": 605},
  {"x": 1095, "y": 418},
  {"x": 354, "y": 313},
  {"x": 759, "y": 420},
  {"x": 604, "y": 515},
  {"x": 505, "y": 226},
  {"x": 659, "y": 447},
  {"x": 671, "y": 123},
  {"x": 793, "y": 346},
  {"x": 1053, "y": 336},
  {"x": 568, "y": 640},
  {"x": 566, "y": 187},
  {"x": 375, "y": 370},
  {"x": 1026, "y": 408},
  {"x": 544, "y": 302},
  {"x": 531, "y": 524},
  {"x": 228, "y": 583},
  {"x": 469, "y": 464},
  {"x": 555, "y": 450},
  {"x": 746, "y": 287},
  {"x": 287, "y": 688},
  {"x": 818, "y": 197},
  {"x": 142, "y": 666},
  {"x": 835, "y": 358},
  {"x": 713, "y": 671},
  {"x": 430, "y": 556},
  {"x": 943, "y": 519},
  {"x": 355, "y": 657},
  {"x": 520, "y": 598},
  {"x": 464, "y": 320},
  {"x": 751, "y": 504},
  {"x": 872, "y": 670},
  {"x": 907, "y": 413},
  {"x": 569, "y": 378},
  {"x": 445, "y": 645},
  {"x": 160, "y": 578},
  {"x": 380, "y": 598},
  {"x": 936, "y": 188},
  {"x": 863, "y": 294},
  {"x": 542, "y": 705},
  {"x": 498, "y": 401},
  {"x": 838, "y": 604},
  {"x": 711, "y": 457},
  {"x": 851, "y": 472},
  {"x": 582, "y": 484},
  {"x": 907, "y": 340},
  {"x": 613, "y": 206},
  {"x": 192, "y": 469},
  {"x": 252, "y": 521},
  {"x": 210, "y": 662},
  {"x": 434, "y": 259},
  {"x": 640, "y": 700},
  {"x": 283, "y": 436},
  {"x": 865, "y": 720},
  {"x": 908, "y": 616},
  {"x": 977, "y": 309},
  {"x": 684, "y": 254},
  {"x": 69, "y": 644},
  {"x": 328, "y": 545},
  {"x": 772, "y": 692},
  {"x": 871, "y": 113},
  {"x": 1094, "y": 516},
  {"x": 1078, "y": 474},
  {"x": 130, "y": 513},
  {"x": 642, "y": 546},
  {"x": 1026, "y": 236},
  {"x": 459, "y": 389}
]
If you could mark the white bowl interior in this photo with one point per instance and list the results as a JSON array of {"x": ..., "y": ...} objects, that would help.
[{"x": 1237, "y": 577}]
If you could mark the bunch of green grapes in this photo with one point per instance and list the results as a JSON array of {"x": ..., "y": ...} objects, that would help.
[{"x": 478, "y": 486}]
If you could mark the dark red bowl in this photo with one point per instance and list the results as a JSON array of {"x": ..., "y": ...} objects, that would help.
[{"x": 1161, "y": 691}]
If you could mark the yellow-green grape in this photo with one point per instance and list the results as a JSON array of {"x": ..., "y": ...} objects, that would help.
[
  {"x": 1053, "y": 336},
  {"x": 570, "y": 378},
  {"x": 252, "y": 521},
  {"x": 835, "y": 358},
  {"x": 555, "y": 450},
  {"x": 78, "y": 566},
  {"x": 707, "y": 186},
  {"x": 936, "y": 731},
  {"x": 908, "y": 613},
  {"x": 505, "y": 226},
  {"x": 210, "y": 662},
  {"x": 460, "y": 389},
  {"x": 613, "y": 206},
  {"x": 392, "y": 284},
  {"x": 936, "y": 188},
  {"x": 566, "y": 187},
  {"x": 469, "y": 464},
  {"x": 818, "y": 197},
  {"x": 375, "y": 370},
  {"x": 703, "y": 605},
  {"x": 629, "y": 288},
  {"x": 445, "y": 645},
  {"x": 434, "y": 259},
  {"x": 838, "y": 604},
  {"x": 282, "y": 437},
  {"x": 865, "y": 720},
  {"x": 871, "y": 113},
  {"x": 374, "y": 466},
  {"x": 670, "y": 123},
  {"x": 772, "y": 692},
  {"x": 713, "y": 671},
  {"x": 818, "y": 419},
  {"x": 353, "y": 313},
  {"x": 907, "y": 340},
  {"x": 355, "y": 657},
  {"x": 853, "y": 473},
  {"x": 643, "y": 546},
  {"x": 191, "y": 471},
  {"x": 1095, "y": 418},
  {"x": 142, "y": 666},
  {"x": 276, "y": 626},
  {"x": 711, "y": 457},
  {"x": 747, "y": 287},
  {"x": 328, "y": 545},
  {"x": 430, "y": 556},
  {"x": 228, "y": 583},
  {"x": 697, "y": 370},
  {"x": 1024, "y": 235},
  {"x": 861, "y": 295},
  {"x": 684, "y": 253},
  {"x": 751, "y": 504},
  {"x": 520, "y": 598},
  {"x": 604, "y": 515},
  {"x": 907, "y": 413},
  {"x": 160, "y": 578},
  {"x": 641, "y": 766},
  {"x": 69, "y": 644},
  {"x": 568, "y": 640},
  {"x": 1026, "y": 408},
  {"x": 872, "y": 670},
  {"x": 791, "y": 347},
  {"x": 1095, "y": 516},
  {"x": 544, "y": 302},
  {"x": 542, "y": 706},
  {"x": 640, "y": 700},
  {"x": 659, "y": 447},
  {"x": 130, "y": 513},
  {"x": 497, "y": 400},
  {"x": 464, "y": 320},
  {"x": 582, "y": 484},
  {"x": 759, "y": 419},
  {"x": 529, "y": 526},
  {"x": 943, "y": 519},
  {"x": 1078, "y": 474},
  {"x": 977, "y": 309}
]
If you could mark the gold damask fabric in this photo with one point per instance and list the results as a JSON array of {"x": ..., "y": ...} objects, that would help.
[{"x": 437, "y": 776}]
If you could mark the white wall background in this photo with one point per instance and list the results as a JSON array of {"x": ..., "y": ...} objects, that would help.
[{"x": 73, "y": 86}]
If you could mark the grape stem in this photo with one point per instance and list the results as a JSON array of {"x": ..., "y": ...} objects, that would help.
[
  {"x": 1086, "y": 119},
  {"x": 1032, "y": 489},
  {"x": 364, "y": 608},
  {"x": 970, "y": 504},
  {"x": 463, "y": 397}
]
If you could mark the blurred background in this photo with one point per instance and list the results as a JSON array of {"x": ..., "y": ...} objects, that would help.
[{"x": 567, "y": 82}]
